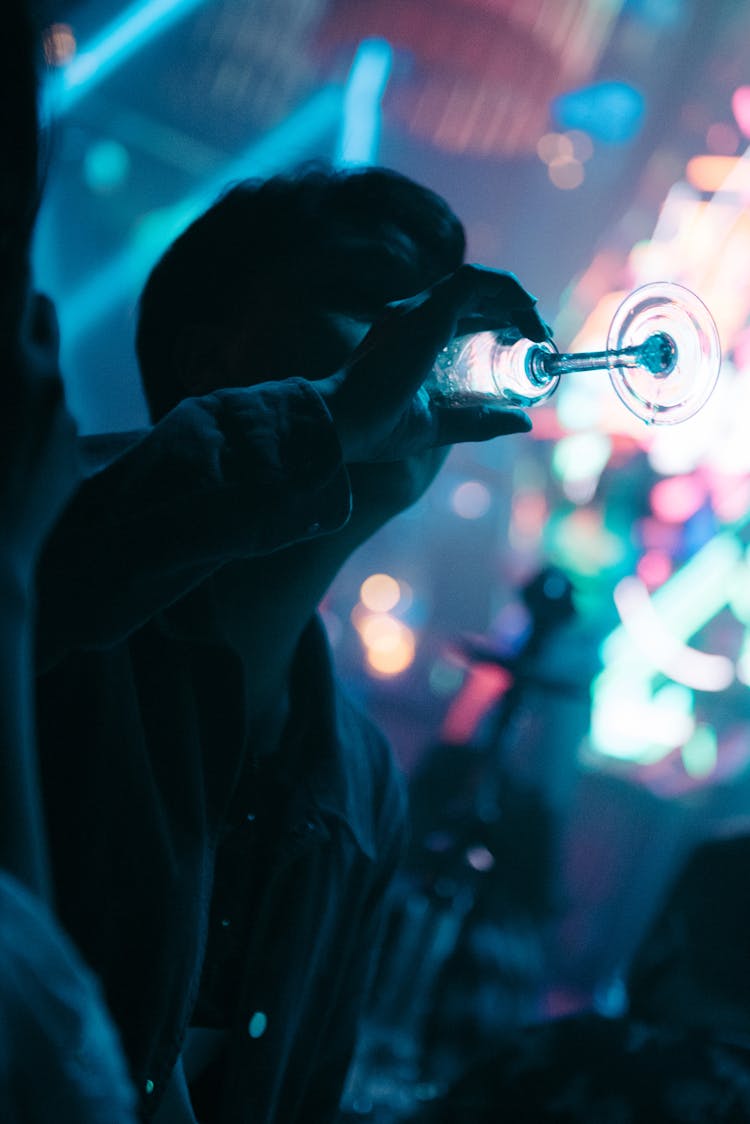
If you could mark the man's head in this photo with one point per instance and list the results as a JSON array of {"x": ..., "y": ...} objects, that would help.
[{"x": 271, "y": 280}]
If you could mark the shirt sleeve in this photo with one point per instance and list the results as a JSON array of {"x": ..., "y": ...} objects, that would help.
[
  {"x": 234, "y": 474},
  {"x": 60, "y": 1058}
]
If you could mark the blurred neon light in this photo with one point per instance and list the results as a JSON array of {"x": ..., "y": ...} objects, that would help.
[
  {"x": 741, "y": 108},
  {"x": 676, "y": 498},
  {"x": 484, "y": 685},
  {"x": 623, "y": 721},
  {"x": 701, "y": 753},
  {"x": 710, "y": 173},
  {"x": 654, "y": 567},
  {"x": 117, "y": 42},
  {"x": 286, "y": 144},
  {"x": 661, "y": 649},
  {"x": 360, "y": 126},
  {"x": 581, "y": 456},
  {"x": 609, "y": 111},
  {"x": 630, "y": 723},
  {"x": 685, "y": 603}
]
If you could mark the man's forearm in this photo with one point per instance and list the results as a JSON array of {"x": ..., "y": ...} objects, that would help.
[{"x": 237, "y": 474}]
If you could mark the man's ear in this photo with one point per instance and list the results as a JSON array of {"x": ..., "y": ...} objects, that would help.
[{"x": 200, "y": 359}]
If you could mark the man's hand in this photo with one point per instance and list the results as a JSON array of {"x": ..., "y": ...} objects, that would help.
[{"x": 378, "y": 405}]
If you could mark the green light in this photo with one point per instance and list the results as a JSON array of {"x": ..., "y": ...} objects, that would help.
[
  {"x": 581, "y": 456},
  {"x": 687, "y": 601},
  {"x": 701, "y": 752},
  {"x": 631, "y": 722},
  {"x": 739, "y": 594}
]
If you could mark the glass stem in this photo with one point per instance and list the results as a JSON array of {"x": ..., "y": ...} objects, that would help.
[
  {"x": 657, "y": 354},
  {"x": 555, "y": 363}
]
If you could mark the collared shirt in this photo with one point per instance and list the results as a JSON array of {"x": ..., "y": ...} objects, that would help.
[
  {"x": 301, "y": 874},
  {"x": 143, "y": 739}
]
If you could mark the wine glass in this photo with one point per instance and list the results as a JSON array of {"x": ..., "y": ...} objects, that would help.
[{"x": 663, "y": 357}]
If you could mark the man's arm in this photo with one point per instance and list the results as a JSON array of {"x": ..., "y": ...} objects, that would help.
[
  {"x": 242, "y": 473},
  {"x": 236, "y": 474}
]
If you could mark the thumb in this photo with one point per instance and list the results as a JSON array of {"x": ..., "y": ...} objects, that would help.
[{"x": 478, "y": 423}]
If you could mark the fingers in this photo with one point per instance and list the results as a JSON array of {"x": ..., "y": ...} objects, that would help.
[
  {"x": 481, "y": 300},
  {"x": 476, "y": 290},
  {"x": 457, "y": 424},
  {"x": 372, "y": 402}
]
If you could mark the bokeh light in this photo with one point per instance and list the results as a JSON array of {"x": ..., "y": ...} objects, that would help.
[
  {"x": 654, "y": 567},
  {"x": 471, "y": 500},
  {"x": 566, "y": 174},
  {"x": 554, "y": 146},
  {"x": 676, "y": 498},
  {"x": 390, "y": 645},
  {"x": 722, "y": 139},
  {"x": 380, "y": 593},
  {"x": 700, "y": 753},
  {"x": 105, "y": 166}
]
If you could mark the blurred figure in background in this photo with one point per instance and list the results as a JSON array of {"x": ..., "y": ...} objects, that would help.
[
  {"x": 241, "y": 818},
  {"x": 465, "y": 958},
  {"x": 681, "y": 1054},
  {"x": 59, "y": 1056}
]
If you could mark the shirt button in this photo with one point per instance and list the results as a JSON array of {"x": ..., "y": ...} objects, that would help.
[
  {"x": 256, "y": 1028},
  {"x": 225, "y": 922},
  {"x": 251, "y": 817},
  {"x": 149, "y": 1087}
]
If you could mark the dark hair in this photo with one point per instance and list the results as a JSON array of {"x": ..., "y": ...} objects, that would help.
[{"x": 251, "y": 275}]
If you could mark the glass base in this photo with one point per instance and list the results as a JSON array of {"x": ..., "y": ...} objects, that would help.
[{"x": 682, "y": 353}]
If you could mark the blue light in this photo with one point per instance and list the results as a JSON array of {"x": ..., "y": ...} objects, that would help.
[
  {"x": 612, "y": 112},
  {"x": 256, "y": 1027},
  {"x": 133, "y": 29},
  {"x": 106, "y": 165},
  {"x": 658, "y": 14},
  {"x": 360, "y": 126},
  {"x": 125, "y": 272}
]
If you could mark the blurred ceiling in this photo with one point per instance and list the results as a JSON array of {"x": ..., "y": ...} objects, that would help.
[{"x": 207, "y": 90}]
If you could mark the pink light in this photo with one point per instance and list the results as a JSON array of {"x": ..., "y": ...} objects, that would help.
[
  {"x": 741, "y": 349},
  {"x": 676, "y": 498},
  {"x": 653, "y": 568},
  {"x": 722, "y": 139},
  {"x": 741, "y": 108},
  {"x": 730, "y": 496},
  {"x": 484, "y": 686}
]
